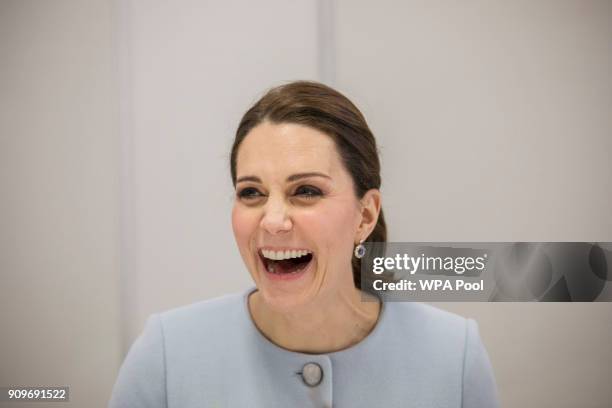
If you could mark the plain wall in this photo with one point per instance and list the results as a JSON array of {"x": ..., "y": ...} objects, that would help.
[{"x": 59, "y": 204}]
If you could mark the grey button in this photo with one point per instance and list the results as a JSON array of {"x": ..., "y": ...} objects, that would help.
[{"x": 312, "y": 374}]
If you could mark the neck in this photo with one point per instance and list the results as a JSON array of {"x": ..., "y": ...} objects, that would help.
[{"x": 329, "y": 325}]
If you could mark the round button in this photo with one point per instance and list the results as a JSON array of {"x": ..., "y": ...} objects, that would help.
[{"x": 312, "y": 374}]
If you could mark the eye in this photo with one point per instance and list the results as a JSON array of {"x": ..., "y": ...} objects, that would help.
[
  {"x": 249, "y": 193},
  {"x": 308, "y": 192}
]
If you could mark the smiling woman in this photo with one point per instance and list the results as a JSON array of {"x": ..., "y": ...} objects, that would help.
[
  {"x": 294, "y": 194},
  {"x": 307, "y": 176}
]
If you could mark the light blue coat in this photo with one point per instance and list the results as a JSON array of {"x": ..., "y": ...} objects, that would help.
[{"x": 210, "y": 354}]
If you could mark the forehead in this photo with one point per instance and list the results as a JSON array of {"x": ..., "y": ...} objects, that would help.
[{"x": 283, "y": 149}]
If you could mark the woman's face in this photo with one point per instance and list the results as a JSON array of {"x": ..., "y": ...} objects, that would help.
[{"x": 296, "y": 217}]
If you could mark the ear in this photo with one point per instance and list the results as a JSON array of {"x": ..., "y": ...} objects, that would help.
[{"x": 370, "y": 208}]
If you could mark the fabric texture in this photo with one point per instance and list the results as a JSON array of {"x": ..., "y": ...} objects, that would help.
[{"x": 210, "y": 354}]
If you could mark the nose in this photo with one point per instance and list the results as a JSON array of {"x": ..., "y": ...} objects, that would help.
[{"x": 276, "y": 219}]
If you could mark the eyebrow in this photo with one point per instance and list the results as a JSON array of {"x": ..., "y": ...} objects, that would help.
[{"x": 291, "y": 178}]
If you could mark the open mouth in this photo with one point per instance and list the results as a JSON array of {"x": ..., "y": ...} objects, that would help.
[{"x": 285, "y": 262}]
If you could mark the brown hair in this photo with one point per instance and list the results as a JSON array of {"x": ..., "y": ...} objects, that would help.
[{"x": 327, "y": 110}]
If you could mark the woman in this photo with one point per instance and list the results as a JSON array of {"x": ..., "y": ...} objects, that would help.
[{"x": 307, "y": 176}]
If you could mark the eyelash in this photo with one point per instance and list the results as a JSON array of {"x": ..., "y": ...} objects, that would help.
[
  {"x": 312, "y": 192},
  {"x": 308, "y": 193},
  {"x": 245, "y": 193}
]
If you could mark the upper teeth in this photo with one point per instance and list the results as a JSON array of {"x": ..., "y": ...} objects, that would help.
[{"x": 280, "y": 255}]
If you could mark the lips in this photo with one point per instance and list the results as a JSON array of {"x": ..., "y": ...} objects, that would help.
[{"x": 285, "y": 263}]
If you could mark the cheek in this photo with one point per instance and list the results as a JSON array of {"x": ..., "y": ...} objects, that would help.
[
  {"x": 333, "y": 226},
  {"x": 244, "y": 223}
]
